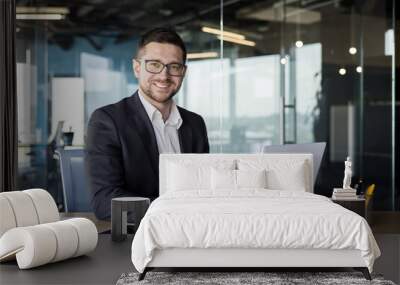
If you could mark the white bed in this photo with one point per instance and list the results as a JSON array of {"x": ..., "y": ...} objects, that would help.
[{"x": 241, "y": 210}]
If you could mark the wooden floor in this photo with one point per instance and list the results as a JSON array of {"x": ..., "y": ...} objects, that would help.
[{"x": 385, "y": 222}]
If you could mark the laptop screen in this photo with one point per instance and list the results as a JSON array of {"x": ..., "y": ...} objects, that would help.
[{"x": 316, "y": 149}]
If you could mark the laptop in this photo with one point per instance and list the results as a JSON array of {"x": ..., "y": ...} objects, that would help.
[{"x": 316, "y": 149}]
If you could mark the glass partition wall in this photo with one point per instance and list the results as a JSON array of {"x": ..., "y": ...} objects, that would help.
[{"x": 259, "y": 72}]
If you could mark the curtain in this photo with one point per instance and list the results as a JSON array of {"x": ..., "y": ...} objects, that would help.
[
  {"x": 396, "y": 149},
  {"x": 8, "y": 97}
]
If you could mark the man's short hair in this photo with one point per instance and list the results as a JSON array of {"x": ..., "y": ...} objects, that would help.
[{"x": 162, "y": 35}]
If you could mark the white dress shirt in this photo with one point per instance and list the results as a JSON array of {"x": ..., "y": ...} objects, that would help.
[{"x": 166, "y": 132}]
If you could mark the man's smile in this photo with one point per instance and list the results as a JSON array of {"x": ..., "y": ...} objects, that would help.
[{"x": 162, "y": 85}]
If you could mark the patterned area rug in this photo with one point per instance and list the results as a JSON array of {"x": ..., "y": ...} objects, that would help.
[{"x": 242, "y": 278}]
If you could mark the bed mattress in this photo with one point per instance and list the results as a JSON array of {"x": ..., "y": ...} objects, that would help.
[{"x": 250, "y": 219}]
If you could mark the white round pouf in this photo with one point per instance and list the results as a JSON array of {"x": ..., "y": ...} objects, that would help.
[
  {"x": 87, "y": 235},
  {"x": 46, "y": 208},
  {"x": 33, "y": 246},
  {"x": 23, "y": 208},
  {"x": 7, "y": 218},
  {"x": 31, "y": 233},
  {"x": 67, "y": 239}
]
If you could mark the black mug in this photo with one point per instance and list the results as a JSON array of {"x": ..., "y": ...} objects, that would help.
[{"x": 68, "y": 137}]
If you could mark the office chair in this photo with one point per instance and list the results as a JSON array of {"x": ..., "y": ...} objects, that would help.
[{"x": 74, "y": 183}]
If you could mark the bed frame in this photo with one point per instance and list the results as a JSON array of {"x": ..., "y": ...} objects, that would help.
[
  {"x": 242, "y": 259},
  {"x": 246, "y": 258}
]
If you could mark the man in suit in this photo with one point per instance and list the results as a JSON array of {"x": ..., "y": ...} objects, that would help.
[{"x": 124, "y": 139}]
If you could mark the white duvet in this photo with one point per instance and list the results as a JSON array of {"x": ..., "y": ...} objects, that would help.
[{"x": 252, "y": 218}]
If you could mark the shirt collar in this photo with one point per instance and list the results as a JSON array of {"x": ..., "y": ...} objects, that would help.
[{"x": 174, "y": 118}]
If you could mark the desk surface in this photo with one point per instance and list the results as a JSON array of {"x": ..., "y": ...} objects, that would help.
[
  {"x": 102, "y": 226},
  {"x": 102, "y": 266}
]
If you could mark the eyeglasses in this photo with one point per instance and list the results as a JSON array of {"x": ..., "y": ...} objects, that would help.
[{"x": 155, "y": 66}]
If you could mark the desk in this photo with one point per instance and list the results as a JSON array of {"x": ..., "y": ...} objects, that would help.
[
  {"x": 104, "y": 265},
  {"x": 102, "y": 226}
]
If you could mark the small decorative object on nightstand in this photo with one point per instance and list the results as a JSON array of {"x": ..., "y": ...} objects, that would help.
[
  {"x": 347, "y": 196},
  {"x": 347, "y": 174},
  {"x": 357, "y": 205},
  {"x": 120, "y": 207},
  {"x": 345, "y": 193}
]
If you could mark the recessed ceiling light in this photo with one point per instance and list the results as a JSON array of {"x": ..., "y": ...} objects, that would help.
[
  {"x": 165, "y": 12},
  {"x": 352, "y": 50},
  {"x": 299, "y": 44},
  {"x": 342, "y": 71},
  {"x": 359, "y": 69}
]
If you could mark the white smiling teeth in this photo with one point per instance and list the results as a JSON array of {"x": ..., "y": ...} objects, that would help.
[{"x": 161, "y": 85}]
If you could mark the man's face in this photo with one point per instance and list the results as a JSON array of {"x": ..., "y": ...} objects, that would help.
[{"x": 159, "y": 87}]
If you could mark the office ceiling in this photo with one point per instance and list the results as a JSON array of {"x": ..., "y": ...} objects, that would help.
[{"x": 124, "y": 19}]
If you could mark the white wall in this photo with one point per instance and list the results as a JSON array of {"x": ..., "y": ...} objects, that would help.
[
  {"x": 67, "y": 105},
  {"x": 26, "y": 101}
]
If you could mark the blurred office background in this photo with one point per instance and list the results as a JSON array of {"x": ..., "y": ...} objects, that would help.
[{"x": 294, "y": 71}]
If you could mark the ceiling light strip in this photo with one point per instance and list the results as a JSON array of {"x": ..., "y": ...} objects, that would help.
[
  {"x": 237, "y": 41},
  {"x": 42, "y": 10},
  {"x": 40, "y": 17},
  {"x": 224, "y": 33},
  {"x": 199, "y": 55}
]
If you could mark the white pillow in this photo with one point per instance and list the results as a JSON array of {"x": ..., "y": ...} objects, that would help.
[
  {"x": 223, "y": 179},
  {"x": 193, "y": 175},
  {"x": 251, "y": 178},
  {"x": 181, "y": 177},
  {"x": 227, "y": 179},
  {"x": 282, "y": 174}
]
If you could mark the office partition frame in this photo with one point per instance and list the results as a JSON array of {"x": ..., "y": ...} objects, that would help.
[{"x": 8, "y": 97}]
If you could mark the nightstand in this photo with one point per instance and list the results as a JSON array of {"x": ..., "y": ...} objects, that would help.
[
  {"x": 357, "y": 205},
  {"x": 136, "y": 206}
]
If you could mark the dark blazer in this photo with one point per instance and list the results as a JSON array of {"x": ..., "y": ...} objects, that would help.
[{"x": 121, "y": 155}]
